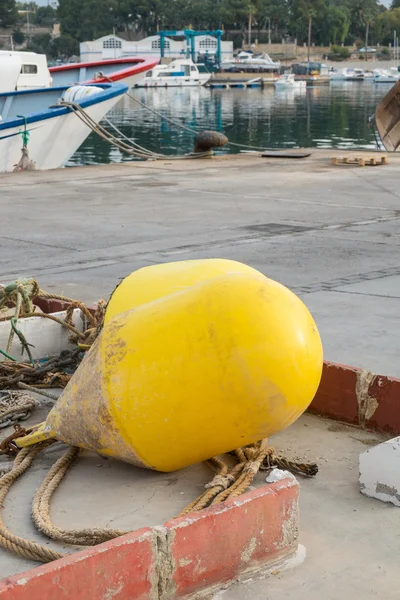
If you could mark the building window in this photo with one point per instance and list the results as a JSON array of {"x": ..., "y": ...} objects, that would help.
[
  {"x": 29, "y": 69},
  {"x": 112, "y": 43},
  {"x": 208, "y": 43},
  {"x": 156, "y": 44}
]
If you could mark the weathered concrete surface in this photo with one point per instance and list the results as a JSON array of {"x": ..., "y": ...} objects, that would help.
[
  {"x": 329, "y": 233},
  {"x": 352, "y": 543}
]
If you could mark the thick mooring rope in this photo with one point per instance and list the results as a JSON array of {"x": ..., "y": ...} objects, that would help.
[
  {"x": 19, "y": 296},
  {"x": 227, "y": 483}
]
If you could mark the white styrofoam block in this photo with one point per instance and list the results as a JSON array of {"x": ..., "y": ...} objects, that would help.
[
  {"x": 47, "y": 337},
  {"x": 380, "y": 472},
  {"x": 279, "y": 475}
]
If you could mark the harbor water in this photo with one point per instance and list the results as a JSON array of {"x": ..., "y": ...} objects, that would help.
[{"x": 324, "y": 116}]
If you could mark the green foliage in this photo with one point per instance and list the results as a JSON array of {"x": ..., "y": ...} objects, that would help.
[
  {"x": 8, "y": 13},
  {"x": 45, "y": 15},
  {"x": 341, "y": 51},
  {"x": 18, "y": 36},
  {"x": 330, "y": 21},
  {"x": 40, "y": 43},
  {"x": 61, "y": 47}
]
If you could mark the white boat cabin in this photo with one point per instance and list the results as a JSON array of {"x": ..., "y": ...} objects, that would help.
[
  {"x": 181, "y": 72},
  {"x": 23, "y": 71}
]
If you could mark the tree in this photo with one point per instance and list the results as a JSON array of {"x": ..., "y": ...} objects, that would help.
[
  {"x": 40, "y": 43},
  {"x": 86, "y": 19},
  {"x": 368, "y": 11},
  {"x": 338, "y": 23},
  {"x": 45, "y": 15},
  {"x": 387, "y": 23},
  {"x": 64, "y": 46},
  {"x": 306, "y": 12},
  {"x": 8, "y": 13},
  {"x": 18, "y": 37}
]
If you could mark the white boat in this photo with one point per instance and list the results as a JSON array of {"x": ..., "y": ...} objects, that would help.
[
  {"x": 23, "y": 71},
  {"x": 246, "y": 61},
  {"x": 289, "y": 82},
  {"x": 28, "y": 70},
  {"x": 179, "y": 73},
  {"x": 36, "y": 129},
  {"x": 348, "y": 75},
  {"x": 387, "y": 76}
]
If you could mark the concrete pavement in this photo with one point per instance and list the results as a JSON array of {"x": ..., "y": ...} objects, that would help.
[{"x": 329, "y": 233}]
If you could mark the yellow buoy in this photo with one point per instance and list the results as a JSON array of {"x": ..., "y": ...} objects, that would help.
[
  {"x": 200, "y": 366},
  {"x": 151, "y": 283}
]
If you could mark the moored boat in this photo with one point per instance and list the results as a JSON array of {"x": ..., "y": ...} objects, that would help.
[
  {"x": 387, "y": 76},
  {"x": 289, "y": 82},
  {"x": 348, "y": 75},
  {"x": 28, "y": 70},
  {"x": 179, "y": 73},
  {"x": 246, "y": 61},
  {"x": 118, "y": 70},
  {"x": 37, "y": 131}
]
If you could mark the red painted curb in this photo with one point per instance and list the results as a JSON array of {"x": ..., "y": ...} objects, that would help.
[
  {"x": 186, "y": 555},
  {"x": 359, "y": 397},
  {"x": 384, "y": 405},
  {"x": 336, "y": 397},
  {"x": 215, "y": 546},
  {"x": 123, "y": 569}
]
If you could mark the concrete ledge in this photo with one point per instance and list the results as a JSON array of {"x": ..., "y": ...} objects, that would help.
[
  {"x": 219, "y": 544},
  {"x": 183, "y": 557},
  {"x": 359, "y": 397},
  {"x": 121, "y": 569}
]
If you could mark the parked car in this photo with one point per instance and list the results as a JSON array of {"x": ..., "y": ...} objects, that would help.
[{"x": 367, "y": 50}]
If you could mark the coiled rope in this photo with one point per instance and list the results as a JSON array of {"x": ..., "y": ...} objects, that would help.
[{"x": 227, "y": 483}]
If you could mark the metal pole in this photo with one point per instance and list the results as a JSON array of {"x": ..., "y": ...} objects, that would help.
[
  {"x": 394, "y": 46},
  {"x": 269, "y": 30},
  {"x": 250, "y": 16}
]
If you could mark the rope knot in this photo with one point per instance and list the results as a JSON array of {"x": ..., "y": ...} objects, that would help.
[
  {"x": 253, "y": 466},
  {"x": 222, "y": 481}
]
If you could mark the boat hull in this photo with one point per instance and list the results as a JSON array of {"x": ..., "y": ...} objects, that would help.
[
  {"x": 52, "y": 140},
  {"x": 173, "y": 82}
]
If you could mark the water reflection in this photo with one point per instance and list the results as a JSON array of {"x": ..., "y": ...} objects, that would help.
[{"x": 321, "y": 116}]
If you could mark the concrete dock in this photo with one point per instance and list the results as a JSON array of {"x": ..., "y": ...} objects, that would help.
[{"x": 329, "y": 233}]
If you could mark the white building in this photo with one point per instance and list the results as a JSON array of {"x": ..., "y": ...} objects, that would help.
[{"x": 111, "y": 46}]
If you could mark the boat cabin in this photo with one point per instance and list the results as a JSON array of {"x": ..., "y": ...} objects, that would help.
[
  {"x": 23, "y": 71},
  {"x": 177, "y": 68}
]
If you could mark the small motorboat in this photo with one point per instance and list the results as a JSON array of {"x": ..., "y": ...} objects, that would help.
[
  {"x": 390, "y": 76},
  {"x": 247, "y": 61},
  {"x": 289, "y": 82},
  {"x": 179, "y": 73},
  {"x": 348, "y": 75},
  {"x": 38, "y": 132},
  {"x": 28, "y": 70}
]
